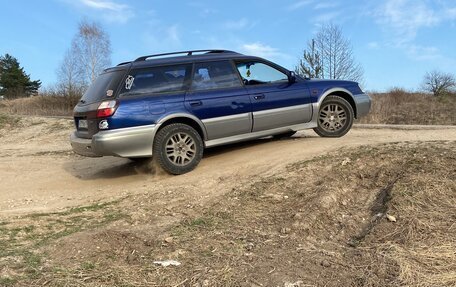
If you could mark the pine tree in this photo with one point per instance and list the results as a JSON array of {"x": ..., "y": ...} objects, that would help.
[
  {"x": 310, "y": 65},
  {"x": 330, "y": 56},
  {"x": 14, "y": 82}
]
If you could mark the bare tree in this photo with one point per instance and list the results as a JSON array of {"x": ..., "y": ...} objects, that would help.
[
  {"x": 92, "y": 48},
  {"x": 335, "y": 54},
  {"x": 438, "y": 83},
  {"x": 310, "y": 64},
  {"x": 89, "y": 54},
  {"x": 71, "y": 79}
]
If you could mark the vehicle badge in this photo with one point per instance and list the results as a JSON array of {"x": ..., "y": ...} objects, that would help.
[
  {"x": 109, "y": 93},
  {"x": 129, "y": 82},
  {"x": 103, "y": 125}
]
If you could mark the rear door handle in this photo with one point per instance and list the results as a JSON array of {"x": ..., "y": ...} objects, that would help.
[
  {"x": 196, "y": 103},
  {"x": 259, "y": 97}
]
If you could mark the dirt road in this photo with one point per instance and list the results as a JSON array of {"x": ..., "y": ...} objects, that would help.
[{"x": 38, "y": 171}]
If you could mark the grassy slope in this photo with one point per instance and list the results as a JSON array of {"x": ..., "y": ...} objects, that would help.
[
  {"x": 399, "y": 107},
  {"x": 319, "y": 223}
]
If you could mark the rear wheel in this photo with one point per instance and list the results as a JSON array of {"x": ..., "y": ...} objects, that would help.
[
  {"x": 335, "y": 117},
  {"x": 178, "y": 148}
]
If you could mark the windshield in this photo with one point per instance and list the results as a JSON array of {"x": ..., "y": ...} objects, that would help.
[{"x": 104, "y": 87}]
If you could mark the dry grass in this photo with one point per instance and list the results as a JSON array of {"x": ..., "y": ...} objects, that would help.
[
  {"x": 401, "y": 107},
  {"x": 421, "y": 244},
  {"x": 40, "y": 106},
  {"x": 8, "y": 121},
  {"x": 319, "y": 223}
]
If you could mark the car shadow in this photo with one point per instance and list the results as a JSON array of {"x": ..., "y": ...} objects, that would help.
[
  {"x": 113, "y": 167},
  {"x": 214, "y": 151},
  {"x": 109, "y": 168}
]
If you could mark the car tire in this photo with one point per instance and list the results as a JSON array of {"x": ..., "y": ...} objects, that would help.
[
  {"x": 284, "y": 135},
  {"x": 178, "y": 148},
  {"x": 335, "y": 117}
]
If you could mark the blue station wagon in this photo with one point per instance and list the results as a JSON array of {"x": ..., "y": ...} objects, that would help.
[{"x": 172, "y": 106}]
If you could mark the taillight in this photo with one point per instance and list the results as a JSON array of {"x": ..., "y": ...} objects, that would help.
[{"x": 106, "y": 109}]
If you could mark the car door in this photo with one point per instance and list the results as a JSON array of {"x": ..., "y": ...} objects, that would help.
[
  {"x": 218, "y": 98},
  {"x": 276, "y": 102}
]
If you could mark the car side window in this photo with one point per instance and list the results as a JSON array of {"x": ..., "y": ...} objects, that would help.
[
  {"x": 214, "y": 75},
  {"x": 255, "y": 73},
  {"x": 156, "y": 80}
]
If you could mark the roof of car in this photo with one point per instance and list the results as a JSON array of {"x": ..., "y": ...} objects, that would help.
[{"x": 183, "y": 57}]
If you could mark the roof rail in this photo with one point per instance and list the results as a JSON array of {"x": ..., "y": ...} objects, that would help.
[
  {"x": 123, "y": 63},
  {"x": 188, "y": 53}
]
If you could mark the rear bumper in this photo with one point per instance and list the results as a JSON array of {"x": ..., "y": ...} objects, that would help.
[
  {"x": 82, "y": 146},
  {"x": 363, "y": 105},
  {"x": 126, "y": 142}
]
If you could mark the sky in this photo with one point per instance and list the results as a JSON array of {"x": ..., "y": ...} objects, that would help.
[{"x": 395, "y": 41}]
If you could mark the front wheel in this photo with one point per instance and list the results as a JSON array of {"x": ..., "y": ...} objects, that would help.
[
  {"x": 335, "y": 117},
  {"x": 178, "y": 148}
]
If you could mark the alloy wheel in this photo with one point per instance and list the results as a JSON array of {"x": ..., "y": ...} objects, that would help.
[
  {"x": 332, "y": 117},
  {"x": 180, "y": 149}
]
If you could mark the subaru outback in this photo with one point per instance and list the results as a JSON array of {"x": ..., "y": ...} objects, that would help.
[{"x": 172, "y": 106}]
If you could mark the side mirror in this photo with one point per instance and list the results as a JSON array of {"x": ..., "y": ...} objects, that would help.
[{"x": 291, "y": 77}]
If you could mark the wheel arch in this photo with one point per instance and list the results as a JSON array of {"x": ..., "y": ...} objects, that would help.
[
  {"x": 340, "y": 92},
  {"x": 187, "y": 119}
]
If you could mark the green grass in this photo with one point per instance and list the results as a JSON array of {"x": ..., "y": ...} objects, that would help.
[
  {"x": 199, "y": 222},
  {"x": 7, "y": 281},
  {"x": 21, "y": 240},
  {"x": 87, "y": 266}
]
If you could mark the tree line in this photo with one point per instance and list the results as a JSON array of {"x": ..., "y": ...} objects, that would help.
[
  {"x": 14, "y": 81},
  {"x": 328, "y": 55},
  {"x": 88, "y": 55}
]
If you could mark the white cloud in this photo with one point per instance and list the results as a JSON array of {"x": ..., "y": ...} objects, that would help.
[
  {"x": 402, "y": 20},
  {"x": 173, "y": 34},
  {"x": 159, "y": 38},
  {"x": 238, "y": 24},
  {"x": 423, "y": 53},
  {"x": 104, "y": 5},
  {"x": 326, "y": 17},
  {"x": 407, "y": 17},
  {"x": 262, "y": 50},
  {"x": 451, "y": 13},
  {"x": 202, "y": 8},
  {"x": 299, "y": 4},
  {"x": 373, "y": 45},
  {"x": 111, "y": 11},
  {"x": 326, "y": 5}
]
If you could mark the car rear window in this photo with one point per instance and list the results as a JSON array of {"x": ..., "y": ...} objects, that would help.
[
  {"x": 104, "y": 87},
  {"x": 156, "y": 80}
]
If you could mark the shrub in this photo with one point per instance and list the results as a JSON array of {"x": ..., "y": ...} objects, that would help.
[
  {"x": 398, "y": 106},
  {"x": 44, "y": 105}
]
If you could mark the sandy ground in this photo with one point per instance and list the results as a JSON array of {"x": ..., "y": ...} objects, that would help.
[{"x": 39, "y": 172}]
